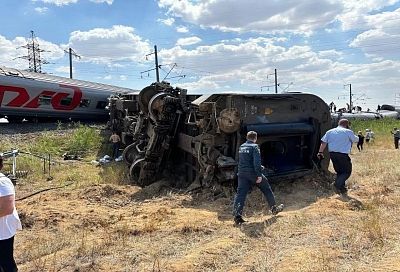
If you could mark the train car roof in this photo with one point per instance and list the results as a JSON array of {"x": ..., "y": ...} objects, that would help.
[{"x": 61, "y": 80}]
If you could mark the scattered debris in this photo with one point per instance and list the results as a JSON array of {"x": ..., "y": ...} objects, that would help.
[
  {"x": 105, "y": 159},
  {"x": 68, "y": 157}
]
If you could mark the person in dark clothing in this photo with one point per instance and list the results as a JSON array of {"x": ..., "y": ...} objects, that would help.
[
  {"x": 331, "y": 106},
  {"x": 360, "y": 141},
  {"x": 249, "y": 174},
  {"x": 396, "y": 137}
]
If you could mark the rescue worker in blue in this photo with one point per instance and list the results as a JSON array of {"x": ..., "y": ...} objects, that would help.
[
  {"x": 249, "y": 174},
  {"x": 339, "y": 141}
]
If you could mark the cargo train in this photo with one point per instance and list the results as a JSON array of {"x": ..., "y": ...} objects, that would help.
[
  {"x": 39, "y": 97},
  {"x": 195, "y": 138}
]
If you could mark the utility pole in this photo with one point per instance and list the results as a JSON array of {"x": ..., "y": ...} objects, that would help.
[
  {"x": 34, "y": 55},
  {"x": 35, "y": 61},
  {"x": 71, "y": 53},
  {"x": 276, "y": 84},
  {"x": 156, "y": 63},
  {"x": 70, "y": 63},
  {"x": 156, "y": 60},
  {"x": 351, "y": 98}
]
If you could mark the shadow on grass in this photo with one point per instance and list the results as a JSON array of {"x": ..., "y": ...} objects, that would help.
[
  {"x": 352, "y": 202},
  {"x": 257, "y": 229}
]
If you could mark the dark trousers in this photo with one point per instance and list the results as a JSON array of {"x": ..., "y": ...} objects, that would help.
[
  {"x": 115, "y": 150},
  {"x": 396, "y": 143},
  {"x": 7, "y": 263},
  {"x": 360, "y": 146},
  {"x": 342, "y": 165},
  {"x": 245, "y": 182}
]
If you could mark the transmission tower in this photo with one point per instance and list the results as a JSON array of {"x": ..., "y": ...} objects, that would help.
[{"x": 35, "y": 61}]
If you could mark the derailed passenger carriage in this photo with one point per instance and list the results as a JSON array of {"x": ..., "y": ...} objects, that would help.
[
  {"x": 196, "y": 138},
  {"x": 40, "y": 97}
]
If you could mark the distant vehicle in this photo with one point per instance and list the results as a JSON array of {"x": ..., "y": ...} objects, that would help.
[
  {"x": 41, "y": 97},
  {"x": 385, "y": 111},
  {"x": 355, "y": 116},
  {"x": 390, "y": 111}
]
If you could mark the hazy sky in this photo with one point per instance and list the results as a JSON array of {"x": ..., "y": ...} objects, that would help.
[{"x": 211, "y": 46}]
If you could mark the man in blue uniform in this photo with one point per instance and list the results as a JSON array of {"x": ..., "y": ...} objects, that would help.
[
  {"x": 339, "y": 141},
  {"x": 250, "y": 173}
]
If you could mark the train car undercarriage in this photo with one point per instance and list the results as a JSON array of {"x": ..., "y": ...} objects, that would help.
[{"x": 196, "y": 138}]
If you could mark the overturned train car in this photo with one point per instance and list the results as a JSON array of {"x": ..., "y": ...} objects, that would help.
[{"x": 196, "y": 138}]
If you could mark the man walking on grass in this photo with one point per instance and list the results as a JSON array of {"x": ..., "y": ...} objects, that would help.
[
  {"x": 249, "y": 174},
  {"x": 339, "y": 141},
  {"x": 9, "y": 223}
]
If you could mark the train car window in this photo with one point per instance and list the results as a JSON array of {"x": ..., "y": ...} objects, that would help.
[
  {"x": 66, "y": 101},
  {"x": 101, "y": 105},
  {"x": 84, "y": 103},
  {"x": 44, "y": 100}
]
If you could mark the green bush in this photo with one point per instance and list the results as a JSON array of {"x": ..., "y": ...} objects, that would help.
[{"x": 83, "y": 140}]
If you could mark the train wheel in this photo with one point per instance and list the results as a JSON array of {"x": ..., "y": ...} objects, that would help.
[
  {"x": 134, "y": 170},
  {"x": 130, "y": 153},
  {"x": 145, "y": 96}
]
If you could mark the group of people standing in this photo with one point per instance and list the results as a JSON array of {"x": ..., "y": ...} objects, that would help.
[{"x": 369, "y": 136}]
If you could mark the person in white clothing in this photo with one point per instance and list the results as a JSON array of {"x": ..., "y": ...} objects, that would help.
[
  {"x": 9, "y": 223},
  {"x": 339, "y": 141},
  {"x": 369, "y": 135}
]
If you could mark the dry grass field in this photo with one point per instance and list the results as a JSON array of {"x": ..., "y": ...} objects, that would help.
[{"x": 101, "y": 223}]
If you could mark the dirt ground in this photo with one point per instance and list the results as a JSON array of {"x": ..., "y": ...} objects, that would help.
[{"x": 97, "y": 225}]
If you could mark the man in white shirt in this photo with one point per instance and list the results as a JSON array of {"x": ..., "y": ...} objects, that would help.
[
  {"x": 339, "y": 141},
  {"x": 9, "y": 223}
]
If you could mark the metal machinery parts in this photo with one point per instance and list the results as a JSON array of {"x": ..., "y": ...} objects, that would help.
[{"x": 195, "y": 138}]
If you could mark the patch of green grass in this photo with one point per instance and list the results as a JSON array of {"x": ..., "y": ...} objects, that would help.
[
  {"x": 47, "y": 143},
  {"x": 81, "y": 141},
  {"x": 381, "y": 129}
]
